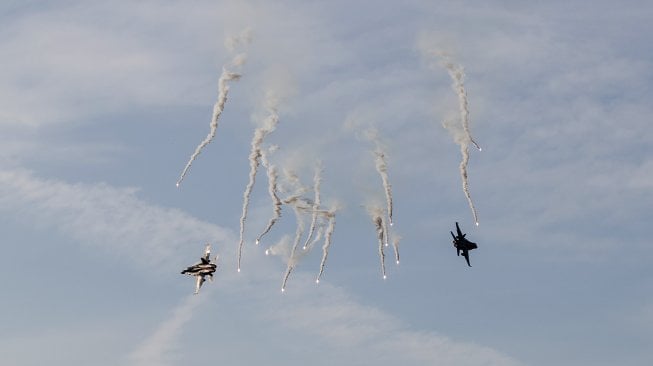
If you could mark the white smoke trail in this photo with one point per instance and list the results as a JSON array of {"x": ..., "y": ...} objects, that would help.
[
  {"x": 463, "y": 173},
  {"x": 457, "y": 74},
  {"x": 272, "y": 191},
  {"x": 377, "y": 218},
  {"x": 292, "y": 182},
  {"x": 461, "y": 139},
  {"x": 382, "y": 169},
  {"x": 231, "y": 43},
  {"x": 254, "y": 156},
  {"x": 293, "y": 253},
  {"x": 223, "y": 90},
  {"x": 317, "y": 179},
  {"x": 395, "y": 244},
  {"x": 386, "y": 236},
  {"x": 318, "y": 236},
  {"x": 327, "y": 241},
  {"x": 269, "y": 125}
]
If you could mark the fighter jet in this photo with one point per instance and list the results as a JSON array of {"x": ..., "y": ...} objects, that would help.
[
  {"x": 462, "y": 244},
  {"x": 202, "y": 269}
]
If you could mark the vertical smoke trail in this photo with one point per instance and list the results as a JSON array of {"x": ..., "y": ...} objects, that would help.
[
  {"x": 269, "y": 125},
  {"x": 376, "y": 213},
  {"x": 382, "y": 169},
  {"x": 395, "y": 244},
  {"x": 331, "y": 215},
  {"x": 457, "y": 74},
  {"x": 463, "y": 173},
  {"x": 380, "y": 232},
  {"x": 317, "y": 179},
  {"x": 285, "y": 277},
  {"x": 386, "y": 236},
  {"x": 223, "y": 90},
  {"x": 254, "y": 156},
  {"x": 463, "y": 142},
  {"x": 318, "y": 236},
  {"x": 272, "y": 191},
  {"x": 293, "y": 253},
  {"x": 232, "y": 43}
]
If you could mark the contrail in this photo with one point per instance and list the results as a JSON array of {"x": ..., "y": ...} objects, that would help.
[
  {"x": 317, "y": 179},
  {"x": 457, "y": 73},
  {"x": 223, "y": 90},
  {"x": 272, "y": 191},
  {"x": 269, "y": 125},
  {"x": 327, "y": 242}
]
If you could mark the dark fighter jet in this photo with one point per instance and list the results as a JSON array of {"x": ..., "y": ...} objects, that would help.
[
  {"x": 462, "y": 244},
  {"x": 202, "y": 269}
]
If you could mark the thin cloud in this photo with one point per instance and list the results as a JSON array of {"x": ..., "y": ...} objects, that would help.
[
  {"x": 113, "y": 219},
  {"x": 329, "y": 313},
  {"x": 98, "y": 214},
  {"x": 159, "y": 348}
]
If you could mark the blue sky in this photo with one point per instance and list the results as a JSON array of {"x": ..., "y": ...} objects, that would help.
[{"x": 102, "y": 104}]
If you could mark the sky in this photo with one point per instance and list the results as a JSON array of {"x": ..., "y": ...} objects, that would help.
[{"x": 103, "y": 103}]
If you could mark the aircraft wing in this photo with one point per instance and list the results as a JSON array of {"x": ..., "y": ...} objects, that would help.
[
  {"x": 198, "y": 283},
  {"x": 460, "y": 233}
]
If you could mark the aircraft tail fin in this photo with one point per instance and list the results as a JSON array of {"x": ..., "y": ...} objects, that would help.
[{"x": 460, "y": 233}]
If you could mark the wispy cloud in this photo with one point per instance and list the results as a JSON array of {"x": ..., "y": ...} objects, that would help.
[
  {"x": 330, "y": 314},
  {"x": 116, "y": 219},
  {"x": 159, "y": 348},
  {"x": 111, "y": 219}
]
